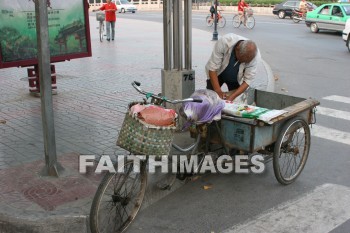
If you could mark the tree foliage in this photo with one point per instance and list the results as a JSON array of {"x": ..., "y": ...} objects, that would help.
[{"x": 265, "y": 3}]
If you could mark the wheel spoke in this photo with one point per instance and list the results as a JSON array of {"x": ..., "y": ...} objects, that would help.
[{"x": 291, "y": 151}]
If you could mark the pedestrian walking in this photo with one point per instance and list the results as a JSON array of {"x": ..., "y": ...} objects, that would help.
[{"x": 110, "y": 10}]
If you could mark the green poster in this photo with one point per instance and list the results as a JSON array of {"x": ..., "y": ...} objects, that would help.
[{"x": 66, "y": 21}]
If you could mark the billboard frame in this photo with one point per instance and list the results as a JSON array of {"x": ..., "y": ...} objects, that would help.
[{"x": 59, "y": 58}]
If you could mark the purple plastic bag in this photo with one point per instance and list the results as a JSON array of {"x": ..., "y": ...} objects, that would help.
[{"x": 207, "y": 111}]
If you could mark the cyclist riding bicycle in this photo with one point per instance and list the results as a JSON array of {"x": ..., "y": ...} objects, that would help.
[
  {"x": 213, "y": 8},
  {"x": 242, "y": 6},
  {"x": 303, "y": 8}
]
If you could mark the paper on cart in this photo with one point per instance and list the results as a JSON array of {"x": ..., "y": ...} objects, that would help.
[
  {"x": 268, "y": 116},
  {"x": 242, "y": 110}
]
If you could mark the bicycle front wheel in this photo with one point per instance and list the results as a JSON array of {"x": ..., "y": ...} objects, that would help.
[
  {"x": 209, "y": 21},
  {"x": 236, "y": 21},
  {"x": 118, "y": 199},
  {"x": 222, "y": 22},
  {"x": 101, "y": 30},
  {"x": 250, "y": 22}
]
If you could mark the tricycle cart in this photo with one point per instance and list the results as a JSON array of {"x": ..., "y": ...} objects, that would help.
[{"x": 286, "y": 140}]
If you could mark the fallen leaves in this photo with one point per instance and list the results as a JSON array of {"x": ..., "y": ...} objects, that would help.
[{"x": 206, "y": 187}]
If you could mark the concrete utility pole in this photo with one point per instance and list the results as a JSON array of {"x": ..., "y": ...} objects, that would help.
[
  {"x": 52, "y": 167},
  {"x": 178, "y": 82}
]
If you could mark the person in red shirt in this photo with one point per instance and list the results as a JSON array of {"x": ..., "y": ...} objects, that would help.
[
  {"x": 241, "y": 7},
  {"x": 110, "y": 8}
]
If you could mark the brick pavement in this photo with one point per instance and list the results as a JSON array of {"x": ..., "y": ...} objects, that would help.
[{"x": 88, "y": 110}]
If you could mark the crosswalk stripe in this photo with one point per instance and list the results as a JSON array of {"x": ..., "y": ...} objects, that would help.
[
  {"x": 330, "y": 134},
  {"x": 338, "y": 98},
  {"x": 321, "y": 211},
  {"x": 333, "y": 113}
]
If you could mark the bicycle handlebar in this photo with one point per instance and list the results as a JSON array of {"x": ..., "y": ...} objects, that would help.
[{"x": 137, "y": 85}]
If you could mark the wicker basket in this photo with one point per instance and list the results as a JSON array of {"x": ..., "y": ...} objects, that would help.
[
  {"x": 141, "y": 138},
  {"x": 250, "y": 12},
  {"x": 100, "y": 16}
]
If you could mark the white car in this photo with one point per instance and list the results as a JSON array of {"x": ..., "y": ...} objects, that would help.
[
  {"x": 346, "y": 34},
  {"x": 125, "y": 6}
]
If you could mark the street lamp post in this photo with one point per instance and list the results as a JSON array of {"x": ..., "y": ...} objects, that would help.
[{"x": 215, "y": 33}]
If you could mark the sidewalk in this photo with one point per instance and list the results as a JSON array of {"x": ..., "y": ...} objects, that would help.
[{"x": 89, "y": 109}]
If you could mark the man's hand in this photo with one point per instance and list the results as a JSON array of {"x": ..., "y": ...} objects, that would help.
[
  {"x": 231, "y": 98},
  {"x": 221, "y": 94}
]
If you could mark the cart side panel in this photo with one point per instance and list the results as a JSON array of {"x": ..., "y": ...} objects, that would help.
[
  {"x": 272, "y": 100},
  {"x": 236, "y": 134},
  {"x": 264, "y": 136},
  {"x": 251, "y": 138}
]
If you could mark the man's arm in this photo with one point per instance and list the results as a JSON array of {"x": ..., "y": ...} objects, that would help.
[
  {"x": 214, "y": 65},
  {"x": 239, "y": 91},
  {"x": 215, "y": 83}
]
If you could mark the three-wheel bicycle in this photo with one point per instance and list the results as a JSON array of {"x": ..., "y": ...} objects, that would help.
[
  {"x": 248, "y": 19},
  {"x": 285, "y": 140}
]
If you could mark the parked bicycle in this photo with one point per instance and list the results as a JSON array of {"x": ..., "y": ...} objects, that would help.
[
  {"x": 100, "y": 16},
  {"x": 221, "y": 20},
  {"x": 248, "y": 19},
  {"x": 285, "y": 140}
]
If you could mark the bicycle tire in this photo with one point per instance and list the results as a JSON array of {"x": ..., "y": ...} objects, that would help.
[
  {"x": 222, "y": 22},
  {"x": 293, "y": 146},
  {"x": 101, "y": 29},
  {"x": 209, "y": 21},
  {"x": 109, "y": 209},
  {"x": 250, "y": 23},
  {"x": 236, "y": 21}
]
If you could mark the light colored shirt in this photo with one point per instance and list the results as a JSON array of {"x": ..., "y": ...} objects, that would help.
[
  {"x": 220, "y": 58},
  {"x": 302, "y": 5},
  {"x": 110, "y": 15}
]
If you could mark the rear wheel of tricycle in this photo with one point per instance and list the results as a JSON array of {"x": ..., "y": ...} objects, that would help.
[
  {"x": 291, "y": 150},
  {"x": 118, "y": 199}
]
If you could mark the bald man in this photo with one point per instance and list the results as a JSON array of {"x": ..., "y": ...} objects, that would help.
[{"x": 234, "y": 61}]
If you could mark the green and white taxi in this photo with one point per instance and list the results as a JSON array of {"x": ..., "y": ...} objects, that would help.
[
  {"x": 346, "y": 34},
  {"x": 331, "y": 16}
]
